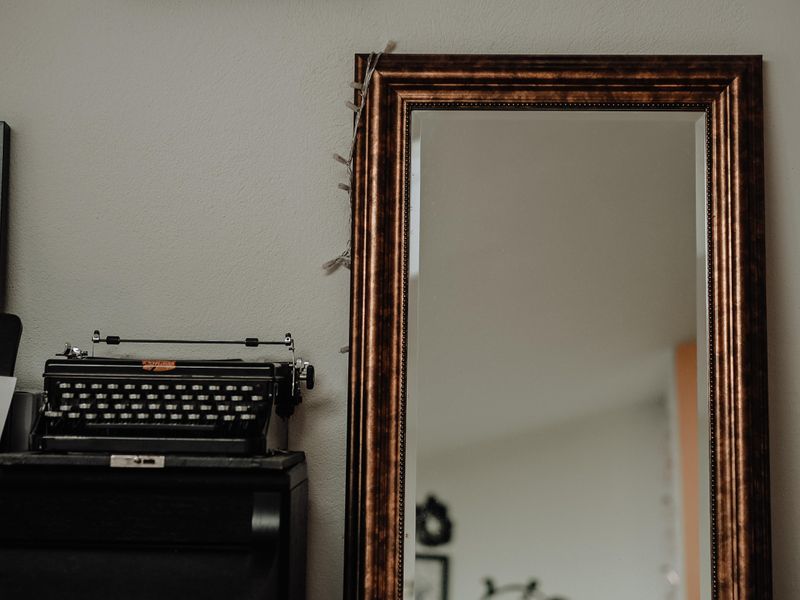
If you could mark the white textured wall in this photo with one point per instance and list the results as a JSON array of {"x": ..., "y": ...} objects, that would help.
[{"x": 171, "y": 172}]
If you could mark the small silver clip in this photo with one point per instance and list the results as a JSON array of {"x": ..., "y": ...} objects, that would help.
[{"x": 71, "y": 351}]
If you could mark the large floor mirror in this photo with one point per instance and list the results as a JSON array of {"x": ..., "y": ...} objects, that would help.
[{"x": 558, "y": 382}]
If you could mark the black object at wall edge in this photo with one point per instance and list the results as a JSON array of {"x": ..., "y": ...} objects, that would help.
[{"x": 5, "y": 138}]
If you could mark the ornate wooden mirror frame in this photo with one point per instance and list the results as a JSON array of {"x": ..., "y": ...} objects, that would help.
[{"x": 728, "y": 89}]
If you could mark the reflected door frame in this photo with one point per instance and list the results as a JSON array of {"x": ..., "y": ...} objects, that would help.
[{"x": 729, "y": 90}]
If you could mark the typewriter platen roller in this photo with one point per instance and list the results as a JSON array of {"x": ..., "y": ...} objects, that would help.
[{"x": 165, "y": 406}]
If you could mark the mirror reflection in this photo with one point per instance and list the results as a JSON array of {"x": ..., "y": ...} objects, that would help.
[{"x": 557, "y": 422}]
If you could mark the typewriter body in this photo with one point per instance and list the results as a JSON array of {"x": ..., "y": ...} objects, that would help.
[{"x": 124, "y": 405}]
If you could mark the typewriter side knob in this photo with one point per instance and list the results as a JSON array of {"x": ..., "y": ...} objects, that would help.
[{"x": 308, "y": 376}]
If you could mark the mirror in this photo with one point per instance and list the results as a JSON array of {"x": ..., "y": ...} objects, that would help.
[
  {"x": 557, "y": 421},
  {"x": 558, "y": 334}
]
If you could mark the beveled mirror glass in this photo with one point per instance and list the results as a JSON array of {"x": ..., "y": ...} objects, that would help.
[
  {"x": 556, "y": 400},
  {"x": 558, "y": 384}
]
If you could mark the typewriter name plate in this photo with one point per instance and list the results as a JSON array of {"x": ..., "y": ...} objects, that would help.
[{"x": 136, "y": 461}]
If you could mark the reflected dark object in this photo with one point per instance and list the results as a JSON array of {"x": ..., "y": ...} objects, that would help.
[
  {"x": 431, "y": 577},
  {"x": 527, "y": 590},
  {"x": 434, "y": 527}
]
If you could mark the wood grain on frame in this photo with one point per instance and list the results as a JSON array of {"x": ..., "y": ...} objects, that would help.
[{"x": 728, "y": 89}]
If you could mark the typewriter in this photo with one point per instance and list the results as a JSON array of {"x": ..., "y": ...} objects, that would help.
[{"x": 124, "y": 405}]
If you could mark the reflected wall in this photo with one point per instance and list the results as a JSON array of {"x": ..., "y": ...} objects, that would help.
[{"x": 556, "y": 285}]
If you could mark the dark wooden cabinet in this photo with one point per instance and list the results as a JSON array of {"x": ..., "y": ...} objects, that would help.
[{"x": 72, "y": 527}]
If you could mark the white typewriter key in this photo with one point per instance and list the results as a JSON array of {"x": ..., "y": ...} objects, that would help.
[
  {"x": 85, "y": 405},
  {"x": 125, "y": 416},
  {"x": 187, "y": 397},
  {"x": 67, "y": 395},
  {"x": 80, "y": 386},
  {"x": 255, "y": 398},
  {"x": 163, "y": 386},
  {"x": 213, "y": 388},
  {"x": 137, "y": 406},
  {"x": 53, "y": 414},
  {"x": 180, "y": 386},
  {"x": 112, "y": 386},
  {"x": 248, "y": 417},
  {"x": 73, "y": 415},
  {"x": 97, "y": 386},
  {"x": 90, "y": 416},
  {"x": 193, "y": 417},
  {"x": 100, "y": 396},
  {"x": 120, "y": 406},
  {"x": 102, "y": 405},
  {"x": 241, "y": 408},
  {"x": 247, "y": 388},
  {"x": 147, "y": 386},
  {"x": 152, "y": 396},
  {"x": 64, "y": 407},
  {"x": 109, "y": 416},
  {"x": 205, "y": 407},
  {"x": 169, "y": 396},
  {"x": 129, "y": 386},
  {"x": 237, "y": 398},
  {"x": 228, "y": 418},
  {"x": 84, "y": 396},
  {"x": 212, "y": 417},
  {"x": 159, "y": 416},
  {"x": 175, "y": 417},
  {"x": 154, "y": 406},
  {"x": 64, "y": 385},
  {"x": 134, "y": 396},
  {"x": 197, "y": 387},
  {"x": 219, "y": 398},
  {"x": 171, "y": 406},
  {"x": 231, "y": 388},
  {"x": 223, "y": 407},
  {"x": 142, "y": 416},
  {"x": 203, "y": 397},
  {"x": 117, "y": 396},
  {"x": 188, "y": 407}
]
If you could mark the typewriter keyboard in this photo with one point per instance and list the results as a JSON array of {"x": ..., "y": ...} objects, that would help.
[{"x": 159, "y": 407}]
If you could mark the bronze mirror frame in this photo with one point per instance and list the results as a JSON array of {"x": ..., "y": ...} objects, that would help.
[{"x": 729, "y": 90}]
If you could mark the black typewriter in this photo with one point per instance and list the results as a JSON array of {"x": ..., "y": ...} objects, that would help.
[{"x": 124, "y": 405}]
